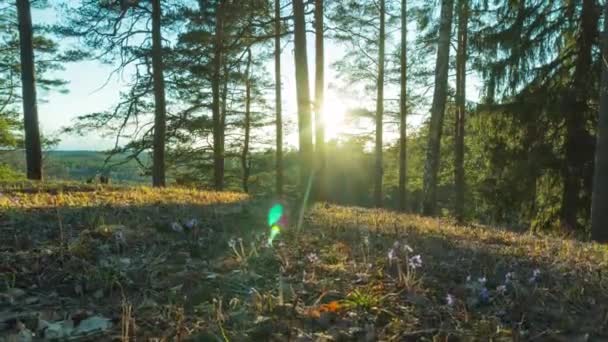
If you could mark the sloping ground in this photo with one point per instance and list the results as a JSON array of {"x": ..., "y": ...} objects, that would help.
[{"x": 176, "y": 264}]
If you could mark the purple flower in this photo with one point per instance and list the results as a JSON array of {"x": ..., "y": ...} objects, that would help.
[
  {"x": 501, "y": 289},
  {"x": 176, "y": 227},
  {"x": 484, "y": 294},
  {"x": 509, "y": 277},
  {"x": 191, "y": 224},
  {"x": 391, "y": 254},
  {"x": 535, "y": 275},
  {"x": 415, "y": 261},
  {"x": 312, "y": 258},
  {"x": 450, "y": 300}
]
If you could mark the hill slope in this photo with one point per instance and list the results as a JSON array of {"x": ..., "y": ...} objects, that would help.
[{"x": 179, "y": 262}]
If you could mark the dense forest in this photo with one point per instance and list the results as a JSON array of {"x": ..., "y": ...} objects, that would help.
[{"x": 505, "y": 96}]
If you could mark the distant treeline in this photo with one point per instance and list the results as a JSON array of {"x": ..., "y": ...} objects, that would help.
[{"x": 80, "y": 166}]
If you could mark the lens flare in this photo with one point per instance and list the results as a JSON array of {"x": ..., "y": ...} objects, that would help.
[
  {"x": 274, "y": 232},
  {"x": 275, "y": 214}
]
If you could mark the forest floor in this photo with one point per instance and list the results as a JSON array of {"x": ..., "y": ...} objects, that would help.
[{"x": 101, "y": 264}]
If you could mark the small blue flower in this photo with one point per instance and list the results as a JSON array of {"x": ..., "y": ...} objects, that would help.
[
  {"x": 415, "y": 261},
  {"x": 450, "y": 300},
  {"x": 484, "y": 295},
  {"x": 534, "y": 277}
]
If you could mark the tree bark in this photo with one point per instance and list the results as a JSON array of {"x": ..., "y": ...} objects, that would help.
[
  {"x": 158, "y": 164},
  {"x": 303, "y": 93},
  {"x": 247, "y": 124},
  {"x": 431, "y": 166},
  {"x": 599, "y": 206},
  {"x": 278, "y": 100},
  {"x": 319, "y": 93},
  {"x": 461, "y": 69},
  {"x": 403, "y": 112},
  {"x": 33, "y": 149},
  {"x": 576, "y": 105},
  {"x": 379, "y": 111},
  {"x": 218, "y": 153}
]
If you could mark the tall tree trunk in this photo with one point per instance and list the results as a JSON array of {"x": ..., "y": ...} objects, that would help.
[
  {"x": 160, "y": 121},
  {"x": 319, "y": 92},
  {"x": 303, "y": 92},
  {"x": 223, "y": 115},
  {"x": 403, "y": 112},
  {"x": 278, "y": 100},
  {"x": 599, "y": 206},
  {"x": 431, "y": 166},
  {"x": 461, "y": 70},
  {"x": 218, "y": 153},
  {"x": 33, "y": 150},
  {"x": 247, "y": 123},
  {"x": 379, "y": 111},
  {"x": 577, "y": 135}
]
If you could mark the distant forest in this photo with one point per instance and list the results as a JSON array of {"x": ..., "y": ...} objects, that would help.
[{"x": 79, "y": 166}]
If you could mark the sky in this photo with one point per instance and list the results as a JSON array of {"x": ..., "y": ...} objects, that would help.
[{"x": 91, "y": 90}]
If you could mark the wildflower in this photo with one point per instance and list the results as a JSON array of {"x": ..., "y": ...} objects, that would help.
[
  {"x": 450, "y": 300},
  {"x": 176, "y": 227},
  {"x": 191, "y": 224},
  {"x": 535, "y": 275},
  {"x": 232, "y": 243},
  {"x": 482, "y": 280},
  {"x": 509, "y": 277},
  {"x": 366, "y": 240},
  {"x": 484, "y": 294},
  {"x": 312, "y": 258},
  {"x": 416, "y": 261},
  {"x": 391, "y": 254},
  {"x": 501, "y": 289}
]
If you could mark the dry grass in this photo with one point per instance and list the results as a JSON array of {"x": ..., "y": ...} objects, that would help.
[{"x": 332, "y": 280}]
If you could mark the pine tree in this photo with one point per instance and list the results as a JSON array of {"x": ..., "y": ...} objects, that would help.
[
  {"x": 461, "y": 70},
  {"x": 303, "y": 92},
  {"x": 599, "y": 210},
  {"x": 403, "y": 111},
  {"x": 431, "y": 166},
  {"x": 278, "y": 99},
  {"x": 380, "y": 110},
  {"x": 245, "y": 157},
  {"x": 319, "y": 94},
  {"x": 33, "y": 148},
  {"x": 160, "y": 120}
]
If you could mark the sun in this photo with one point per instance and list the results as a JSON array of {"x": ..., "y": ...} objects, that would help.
[{"x": 333, "y": 117}]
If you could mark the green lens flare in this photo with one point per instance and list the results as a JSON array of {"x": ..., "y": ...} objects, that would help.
[
  {"x": 274, "y": 231},
  {"x": 274, "y": 215}
]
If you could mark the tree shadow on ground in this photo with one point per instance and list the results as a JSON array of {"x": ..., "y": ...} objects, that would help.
[{"x": 74, "y": 259}]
